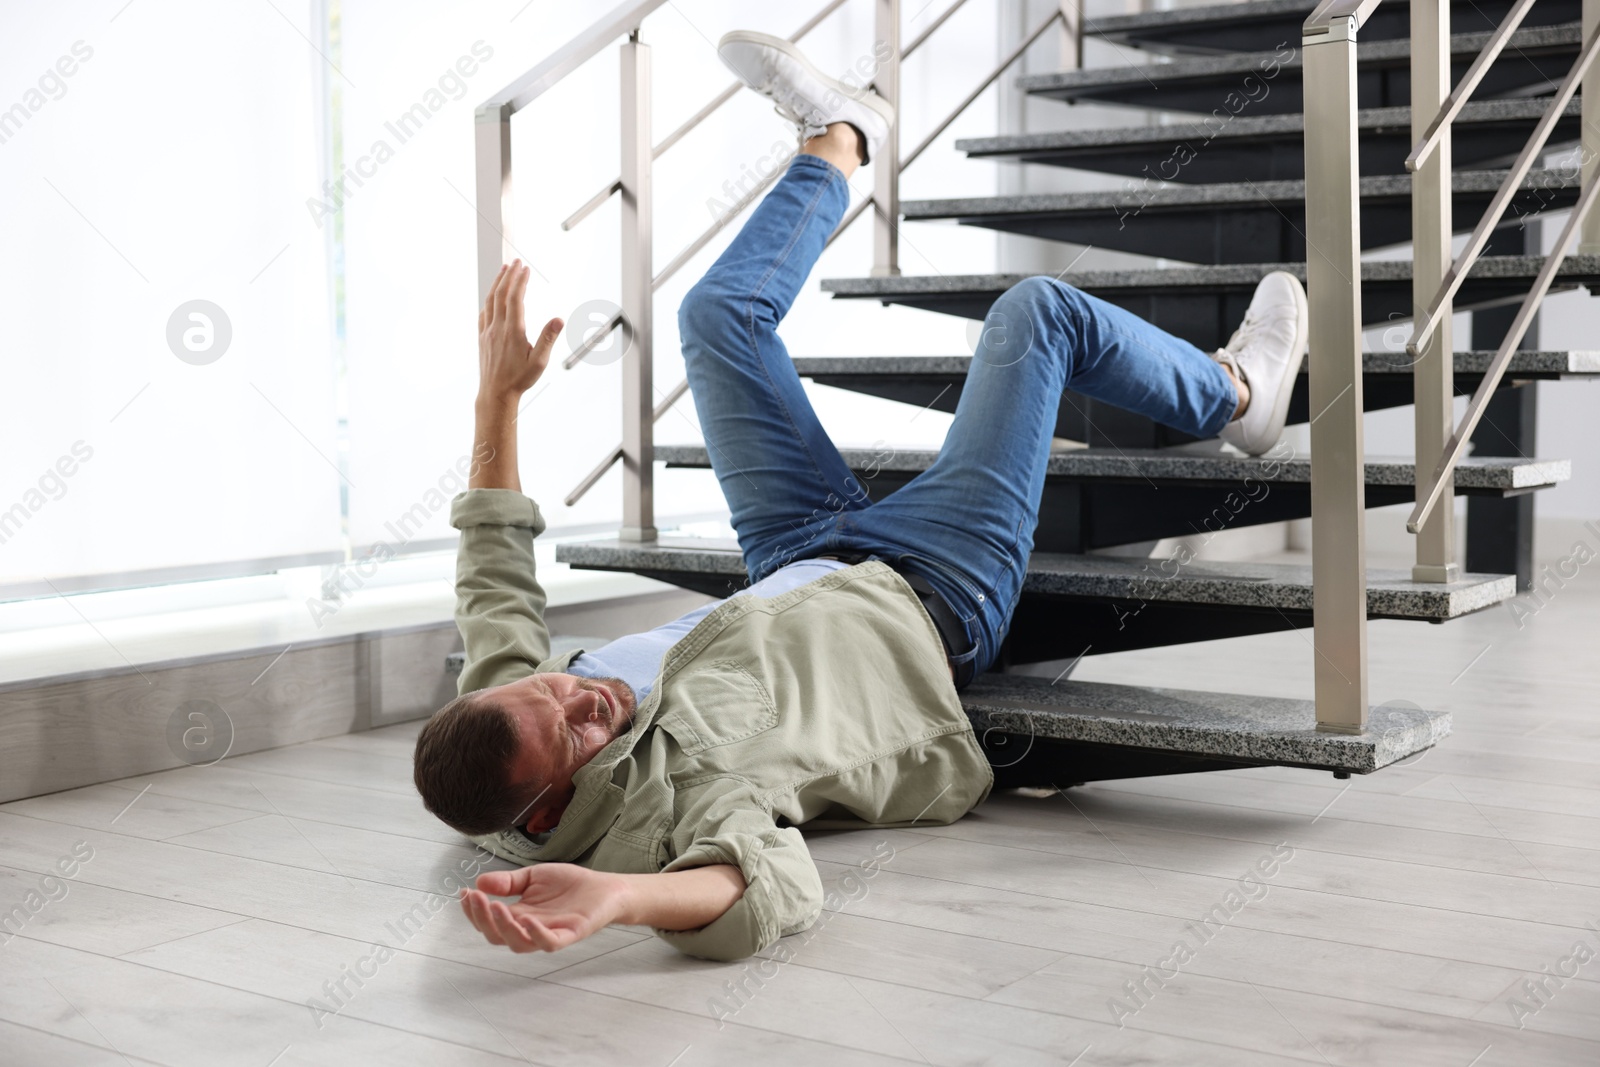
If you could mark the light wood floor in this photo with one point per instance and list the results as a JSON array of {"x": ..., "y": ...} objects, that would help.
[{"x": 219, "y": 900}]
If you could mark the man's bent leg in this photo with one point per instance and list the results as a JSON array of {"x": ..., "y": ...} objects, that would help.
[
  {"x": 967, "y": 522},
  {"x": 784, "y": 480}
]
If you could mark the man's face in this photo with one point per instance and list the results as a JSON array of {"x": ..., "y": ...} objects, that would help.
[{"x": 563, "y": 721}]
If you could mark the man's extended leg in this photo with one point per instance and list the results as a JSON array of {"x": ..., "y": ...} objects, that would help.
[
  {"x": 783, "y": 478},
  {"x": 966, "y": 523}
]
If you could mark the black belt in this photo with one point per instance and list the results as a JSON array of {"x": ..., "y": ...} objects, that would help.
[{"x": 945, "y": 620}]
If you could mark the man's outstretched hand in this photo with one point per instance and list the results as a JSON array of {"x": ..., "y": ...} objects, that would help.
[
  {"x": 560, "y": 904},
  {"x": 507, "y": 364}
]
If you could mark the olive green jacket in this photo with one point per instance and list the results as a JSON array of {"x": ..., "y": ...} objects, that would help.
[{"x": 831, "y": 703}]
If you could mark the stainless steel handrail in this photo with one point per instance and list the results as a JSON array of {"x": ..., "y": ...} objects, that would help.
[
  {"x": 1469, "y": 81},
  {"x": 1502, "y": 197},
  {"x": 618, "y": 22},
  {"x": 1323, "y": 16}
]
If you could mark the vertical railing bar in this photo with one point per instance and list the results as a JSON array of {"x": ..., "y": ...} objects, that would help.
[
  {"x": 886, "y": 165},
  {"x": 638, "y": 459},
  {"x": 492, "y": 188},
  {"x": 1072, "y": 34},
  {"x": 1333, "y": 280},
  {"x": 1433, "y": 371}
]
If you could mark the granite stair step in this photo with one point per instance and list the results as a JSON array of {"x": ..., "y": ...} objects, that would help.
[
  {"x": 935, "y": 382},
  {"x": 1102, "y": 497},
  {"x": 1263, "y": 24},
  {"x": 1204, "y": 305},
  {"x": 1259, "y": 148},
  {"x": 1163, "y": 467},
  {"x": 1271, "y": 82},
  {"x": 1071, "y": 731},
  {"x": 1072, "y": 601},
  {"x": 1056, "y": 733},
  {"x": 1235, "y": 222}
]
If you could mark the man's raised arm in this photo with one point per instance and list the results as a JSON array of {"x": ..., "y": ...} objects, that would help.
[{"x": 499, "y": 602}]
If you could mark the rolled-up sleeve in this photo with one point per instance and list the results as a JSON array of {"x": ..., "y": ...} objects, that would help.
[
  {"x": 724, "y": 823},
  {"x": 499, "y": 602}
]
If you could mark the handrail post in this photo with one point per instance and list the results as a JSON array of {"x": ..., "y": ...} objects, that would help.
[
  {"x": 1433, "y": 372},
  {"x": 886, "y": 169},
  {"x": 1589, "y": 236},
  {"x": 638, "y": 453},
  {"x": 492, "y": 187},
  {"x": 1333, "y": 277},
  {"x": 1071, "y": 34}
]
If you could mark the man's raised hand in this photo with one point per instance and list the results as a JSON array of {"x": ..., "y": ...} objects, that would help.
[{"x": 507, "y": 364}]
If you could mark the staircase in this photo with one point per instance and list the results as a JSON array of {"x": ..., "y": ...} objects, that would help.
[{"x": 1234, "y": 210}]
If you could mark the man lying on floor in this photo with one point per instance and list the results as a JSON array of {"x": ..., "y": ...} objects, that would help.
[{"x": 660, "y": 780}]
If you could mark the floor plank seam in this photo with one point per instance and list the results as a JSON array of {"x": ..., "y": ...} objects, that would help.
[
  {"x": 1190, "y": 918},
  {"x": 234, "y": 855},
  {"x": 1318, "y": 851},
  {"x": 1366, "y": 822},
  {"x": 86, "y": 1044}
]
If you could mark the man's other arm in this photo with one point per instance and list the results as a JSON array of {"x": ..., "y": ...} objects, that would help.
[
  {"x": 562, "y": 903},
  {"x": 499, "y": 602},
  {"x": 736, "y": 885}
]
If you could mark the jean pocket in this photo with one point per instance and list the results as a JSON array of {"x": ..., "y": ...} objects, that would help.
[{"x": 972, "y": 601}]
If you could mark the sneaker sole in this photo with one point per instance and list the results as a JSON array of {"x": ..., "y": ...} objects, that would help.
[{"x": 862, "y": 94}]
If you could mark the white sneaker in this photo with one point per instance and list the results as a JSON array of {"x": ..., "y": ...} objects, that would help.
[
  {"x": 803, "y": 94},
  {"x": 1265, "y": 352}
]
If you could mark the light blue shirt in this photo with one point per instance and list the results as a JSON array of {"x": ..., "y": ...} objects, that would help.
[{"x": 636, "y": 659}]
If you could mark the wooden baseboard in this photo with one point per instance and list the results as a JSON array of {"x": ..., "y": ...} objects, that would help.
[{"x": 84, "y": 731}]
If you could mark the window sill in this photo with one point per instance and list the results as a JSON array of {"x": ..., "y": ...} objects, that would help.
[{"x": 99, "y": 647}]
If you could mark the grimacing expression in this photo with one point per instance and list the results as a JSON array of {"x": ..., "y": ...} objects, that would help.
[{"x": 563, "y": 721}]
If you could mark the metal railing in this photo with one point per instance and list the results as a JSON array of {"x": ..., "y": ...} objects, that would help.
[
  {"x": 1333, "y": 278},
  {"x": 633, "y": 187}
]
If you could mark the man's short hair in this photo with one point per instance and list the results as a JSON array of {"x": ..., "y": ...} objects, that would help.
[{"x": 462, "y": 767}]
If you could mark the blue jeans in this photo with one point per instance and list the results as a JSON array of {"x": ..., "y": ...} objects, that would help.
[{"x": 966, "y": 523}]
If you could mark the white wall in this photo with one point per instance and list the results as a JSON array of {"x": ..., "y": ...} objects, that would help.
[{"x": 151, "y": 156}]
